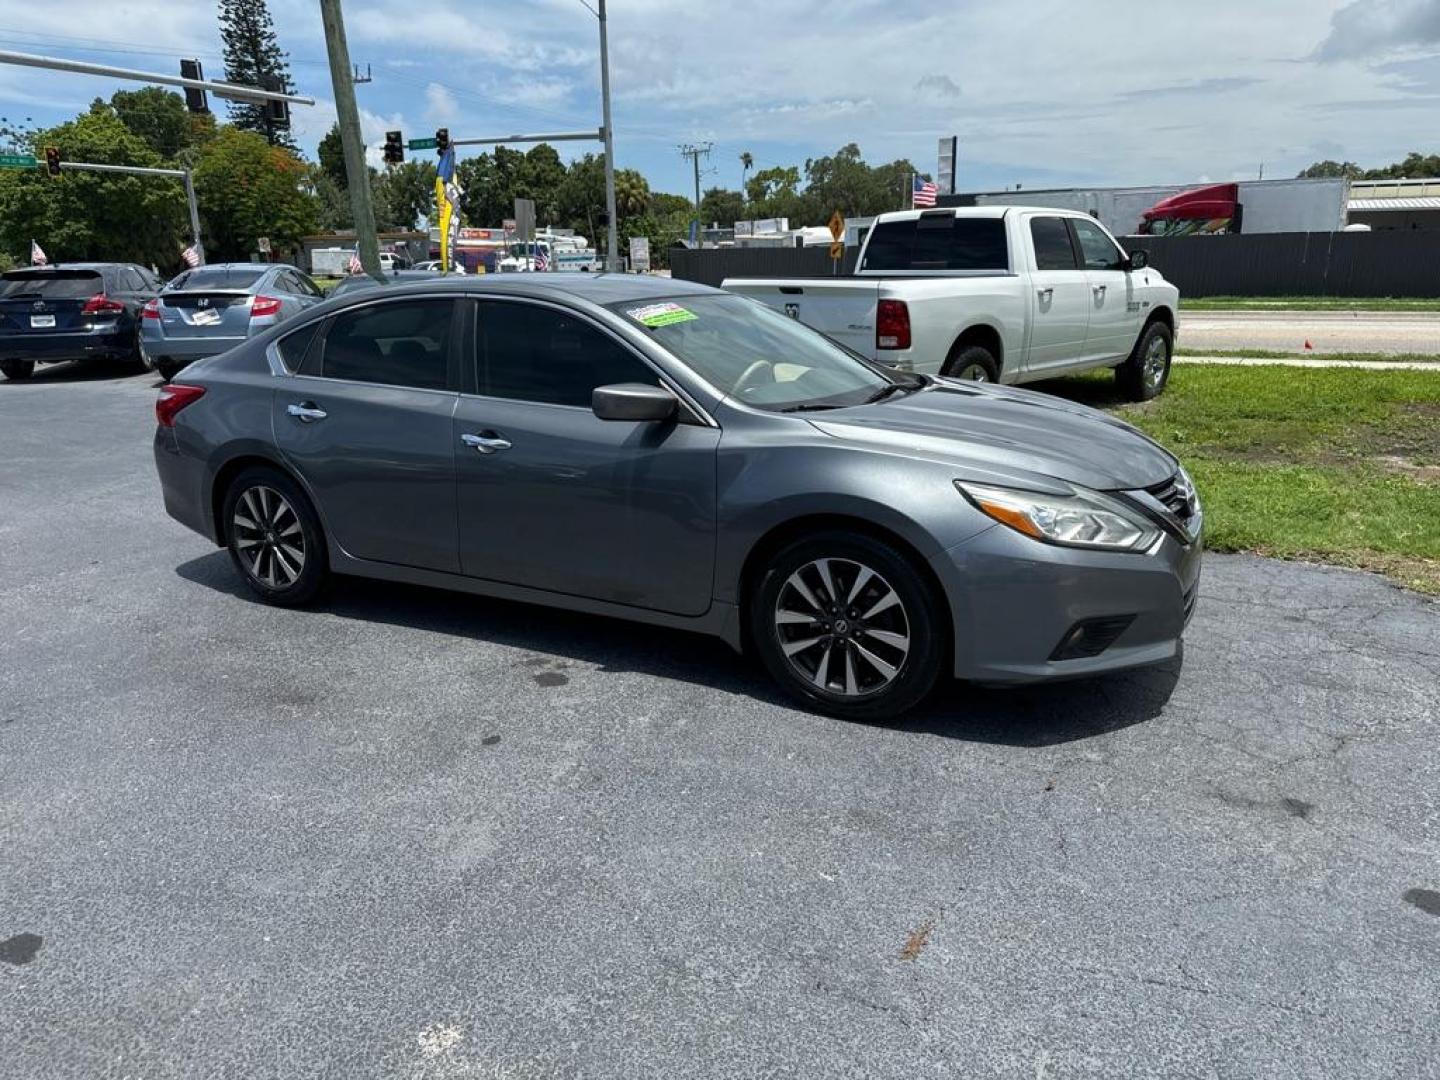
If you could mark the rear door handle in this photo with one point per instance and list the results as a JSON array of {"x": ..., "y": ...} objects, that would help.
[
  {"x": 306, "y": 412},
  {"x": 1099, "y": 289},
  {"x": 487, "y": 442}
]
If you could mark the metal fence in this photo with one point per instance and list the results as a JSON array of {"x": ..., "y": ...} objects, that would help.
[{"x": 1382, "y": 263}]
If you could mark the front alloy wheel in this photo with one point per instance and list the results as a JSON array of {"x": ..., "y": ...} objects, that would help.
[{"x": 274, "y": 537}]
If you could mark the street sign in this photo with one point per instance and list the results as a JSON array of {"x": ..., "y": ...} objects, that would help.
[
  {"x": 18, "y": 161},
  {"x": 837, "y": 227},
  {"x": 640, "y": 254},
  {"x": 837, "y": 251},
  {"x": 420, "y": 144},
  {"x": 263, "y": 245}
]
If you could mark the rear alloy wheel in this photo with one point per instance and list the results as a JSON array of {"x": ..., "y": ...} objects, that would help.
[
  {"x": 1145, "y": 373},
  {"x": 846, "y": 624},
  {"x": 15, "y": 370},
  {"x": 974, "y": 363},
  {"x": 274, "y": 537}
]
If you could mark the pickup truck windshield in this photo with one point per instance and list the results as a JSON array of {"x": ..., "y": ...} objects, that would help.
[
  {"x": 938, "y": 242},
  {"x": 758, "y": 356}
]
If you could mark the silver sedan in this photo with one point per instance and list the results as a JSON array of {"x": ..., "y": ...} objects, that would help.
[{"x": 213, "y": 308}]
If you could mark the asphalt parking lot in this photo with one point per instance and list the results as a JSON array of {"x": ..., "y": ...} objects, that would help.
[{"x": 410, "y": 834}]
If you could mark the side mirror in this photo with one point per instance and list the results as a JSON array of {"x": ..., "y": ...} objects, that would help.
[
  {"x": 634, "y": 402},
  {"x": 1138, "y": 260}
]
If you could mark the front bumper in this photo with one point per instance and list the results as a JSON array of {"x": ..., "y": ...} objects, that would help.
[
  {"x": 108, "y": 341},
  {"x": 1013, "y": 600}
]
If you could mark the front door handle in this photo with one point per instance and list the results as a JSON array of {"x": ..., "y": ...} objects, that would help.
[
  {"x": 306, "y": 412},
  {"x": 1045, "y": 293},
  {"x": 1099, "y": 289},
  {"x": 487, "y": 442}
]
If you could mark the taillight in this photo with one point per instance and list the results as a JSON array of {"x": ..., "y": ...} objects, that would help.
[
  {"x": 100, "y": 304},
  {"x": 892, "y": 325},
  {"x": 264, "y": 305},
  {"x": 151, "y": 310},
  {"x": 174, "y": 397}
]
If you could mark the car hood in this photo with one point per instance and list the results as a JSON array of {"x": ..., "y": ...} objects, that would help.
[{"x": 1005, "y": 435}]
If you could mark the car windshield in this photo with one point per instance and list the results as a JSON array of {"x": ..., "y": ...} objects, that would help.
[
  {"x": 759, "y": 357},
  {"x": 217, "y": 277},
  {"x": 52, "y": 284}
]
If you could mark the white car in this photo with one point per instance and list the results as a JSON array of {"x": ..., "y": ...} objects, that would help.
[
  {"x": 995, "y": 294},
  {"x": 434, "y": 264}
]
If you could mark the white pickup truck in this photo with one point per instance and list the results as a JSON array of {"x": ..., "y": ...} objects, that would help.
[{"x": 1003, "y": 293}]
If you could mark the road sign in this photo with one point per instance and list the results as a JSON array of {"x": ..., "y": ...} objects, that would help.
[
  {"x": 18, "y": 161},
  {"x": 837, "y": 227},
  {"x": 837, "y": 251},
  {"x": 640, "y": 254},
  {"x": 420, "y": 144},
  {"x": 508, "y": 224},
  {"x": 262, "y": 244}
]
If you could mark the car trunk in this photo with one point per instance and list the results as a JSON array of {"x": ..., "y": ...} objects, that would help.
[
  {"x": 206, "y": 313},
  {"x": 49, "y": 301}
]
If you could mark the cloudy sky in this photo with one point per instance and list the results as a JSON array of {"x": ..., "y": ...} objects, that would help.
[{"x": 1044, "y": 92}]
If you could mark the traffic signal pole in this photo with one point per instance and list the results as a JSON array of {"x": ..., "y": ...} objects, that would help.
[
  {"x": 357, "y": 176},
  {"x": 182, "y": 175}
]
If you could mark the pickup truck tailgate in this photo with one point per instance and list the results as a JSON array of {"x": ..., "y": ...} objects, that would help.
[{"x": 843, "y": 308}]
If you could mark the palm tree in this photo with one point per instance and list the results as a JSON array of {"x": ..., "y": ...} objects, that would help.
[
  {"x": 747, "y": 162},
  {"x": 632, "y": 194}
]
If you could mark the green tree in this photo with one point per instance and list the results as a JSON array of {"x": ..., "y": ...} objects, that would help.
[
  {"x": 663, "y": 204},
  {"x": 632, "y": 194},
  {"x": 1330, "y": 170},
  {"x": 720, "y": 206},
  {"x": 774, "y": 192},
  {"x": 83, "y": 215},
  {"x": 404, "y": 194},
  {"x": 1415, "y": 166},
  {"x": 253, "y": 58},
  {"x": 747, "y": 162},
  {"x": 160, "y": 118},
  {"x": 248, "y": 189},
  {"x": 332, "y": 202},
  {"x": 332, "y": 157},
  {"x": 539, "y": 177},
  {"x": 846, "y": 183}
]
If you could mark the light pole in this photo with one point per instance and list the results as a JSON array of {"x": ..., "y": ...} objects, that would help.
[{"x": 612, "y": 258}]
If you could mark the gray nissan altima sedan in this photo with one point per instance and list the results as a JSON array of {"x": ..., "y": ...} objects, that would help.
[{"x": 662, "y": 451}]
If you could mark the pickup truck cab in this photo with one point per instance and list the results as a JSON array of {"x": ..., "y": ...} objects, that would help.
[{"x": 994, "y": 294}]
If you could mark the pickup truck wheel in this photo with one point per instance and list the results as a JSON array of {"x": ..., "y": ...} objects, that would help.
[
  {"x": 1145, "y": 373},
  {"x": 15, "y": 370},
  {"x": 973, "y": 363},
  {"x": 847, "y": 626}
]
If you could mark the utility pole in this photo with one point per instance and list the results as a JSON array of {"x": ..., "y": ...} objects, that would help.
[
  {"x": 612, "y": 256},
  {"x": 694, "y": 153},
  {"x": 356, "y": 174}
]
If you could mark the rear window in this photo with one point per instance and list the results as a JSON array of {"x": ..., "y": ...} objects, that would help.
[
  {"x": 53, "y": 284},
  {"x": 217, "y": 277},
  {"x": 941, "y": 242}
]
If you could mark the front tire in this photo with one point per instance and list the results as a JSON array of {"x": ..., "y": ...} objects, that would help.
[
  {"x": 1147, "y": 370},
  {"x": 274, "y": 537},
  {"x": 16, "y": 370},
  {"x": 847, "y": 625}
]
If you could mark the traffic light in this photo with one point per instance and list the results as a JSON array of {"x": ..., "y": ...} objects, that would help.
[
  {"x": 52, "y": 160},
  {"x": 195, "y": 99},
  {"x": 394, "y": 148},
  {"x": 442, "y": 140},
  {"x": 277, "y": 113}
]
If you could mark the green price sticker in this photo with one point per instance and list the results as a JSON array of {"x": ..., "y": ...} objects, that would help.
[{"x": 661, "y": 314}]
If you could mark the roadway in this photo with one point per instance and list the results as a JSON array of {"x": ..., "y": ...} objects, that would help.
[{"x": 1326, "y": 331}]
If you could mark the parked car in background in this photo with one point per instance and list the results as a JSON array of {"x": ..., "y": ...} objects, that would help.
[
  {"x": 434, "y": 264},
  {"x": 212, "y": 308},
  {"x": 993, "y": 294},
  {"x": 663, "y": 451},
  {"x": 356, "y": 282},
  {"x": 72, "y": 311}
]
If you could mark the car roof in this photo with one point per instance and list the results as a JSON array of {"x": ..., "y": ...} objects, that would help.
[
  {"x": 598, "y": 288},
  {"x": 240, "y": 266},
  {"x": 67, "y": 266}
]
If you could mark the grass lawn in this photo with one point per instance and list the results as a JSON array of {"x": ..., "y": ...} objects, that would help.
[
  {"x": 1335, "y": 465},
  {"x": 1271, "y": 354},
  {"x": 1307, "y": 303}
]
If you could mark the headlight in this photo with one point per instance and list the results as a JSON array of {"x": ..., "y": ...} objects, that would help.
[{"x": 1085, "y": 519}]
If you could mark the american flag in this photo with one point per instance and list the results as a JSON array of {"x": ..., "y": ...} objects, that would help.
[
  {"x": 542, "y": 260},
  {"x": 191, "y": 255},
  {"x": 353, "y": 266},
  {"x": 37, "y": 255},
  {"x": 922, "y": 192}
]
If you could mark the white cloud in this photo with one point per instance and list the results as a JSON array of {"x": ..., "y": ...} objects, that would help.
[
  {"x": 1368, "y": 28},
  {"x": 440, "y": 105}
]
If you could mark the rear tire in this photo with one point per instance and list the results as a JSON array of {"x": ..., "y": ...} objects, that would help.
[
  {"x": 875, "y": 644},
  {"x": 274, "y": 537},
  {"x": 16, "y": 370},
  {"x": 973, "y": 363},
  {"x": 1145, "y": 374}
]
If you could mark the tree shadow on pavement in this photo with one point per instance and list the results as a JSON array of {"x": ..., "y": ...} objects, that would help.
[
  {"x": 1026, "y": 717},
  {"x": 79, "y": 371}
]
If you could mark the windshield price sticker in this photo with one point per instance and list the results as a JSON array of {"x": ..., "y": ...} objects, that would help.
[{"x": 661, "y": 314}]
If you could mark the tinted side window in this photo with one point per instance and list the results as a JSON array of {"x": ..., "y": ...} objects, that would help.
[
  {"x": 1099, "y": 250},
  {"x": 533, "y": 353},
  {"x": 1053, "y": 250},
  {"x": 293, "y": 347},
  {"x": 942, "y": 242},
  {"x": 405, "y": 343}
]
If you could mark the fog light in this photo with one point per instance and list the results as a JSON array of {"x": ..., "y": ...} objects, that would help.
[{"x": 1091, "y": 637}]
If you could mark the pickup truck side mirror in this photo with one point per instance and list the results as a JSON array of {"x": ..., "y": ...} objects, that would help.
[
  {"x": 1138, "y": 260},
  {"x": 634, "y": 402}
]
